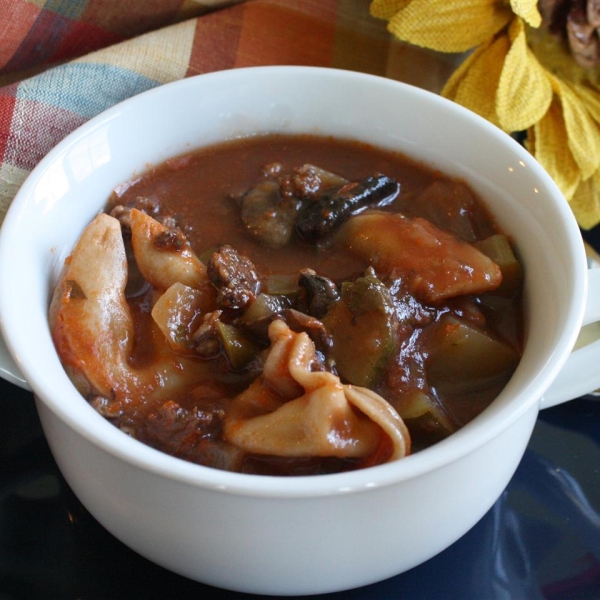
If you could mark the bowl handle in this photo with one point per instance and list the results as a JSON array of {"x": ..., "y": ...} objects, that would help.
[
  {"x": 580, "y": 375},
  {"x": 9, "y": 369}
]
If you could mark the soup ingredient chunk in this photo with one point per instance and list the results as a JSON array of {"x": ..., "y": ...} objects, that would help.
[
  {"x": 434, "y": 264},
  {"x": 499, "y": 249},
  {"x": 163, "y": 255},
  {"x": 363, "y": 325},
  {"x": 464, "y": 358},
  {"x": 234, "y": 276},
  {"x": 321, "y": 292},
  {"x": 322, "y": 216},
  {"x": 268, "y": 216},
  {"x": 89, "y": 316}
]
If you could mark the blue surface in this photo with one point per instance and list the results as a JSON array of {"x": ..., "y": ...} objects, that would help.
[{"x": 540, "y": 540}]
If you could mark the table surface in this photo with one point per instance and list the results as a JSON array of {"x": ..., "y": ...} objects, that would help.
[{"x": 540, "y": 540}]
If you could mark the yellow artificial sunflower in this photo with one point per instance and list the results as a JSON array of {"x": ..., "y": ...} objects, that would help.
[{"x": 518, "y": 76}]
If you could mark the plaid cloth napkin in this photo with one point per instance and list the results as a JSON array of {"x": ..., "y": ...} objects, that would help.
[{"x": 64, "y": 61}]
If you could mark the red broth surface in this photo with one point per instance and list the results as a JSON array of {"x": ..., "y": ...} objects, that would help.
[{"x": 416, "y": 297}]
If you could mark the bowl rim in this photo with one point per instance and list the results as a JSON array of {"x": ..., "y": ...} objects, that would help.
[{"x": 456, "y": 446}]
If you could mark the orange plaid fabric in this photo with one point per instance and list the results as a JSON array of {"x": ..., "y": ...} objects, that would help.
[{"x": 63, "y": 62}]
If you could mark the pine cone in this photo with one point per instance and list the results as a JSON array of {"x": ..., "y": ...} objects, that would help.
[{"x": 578, "y": 22}]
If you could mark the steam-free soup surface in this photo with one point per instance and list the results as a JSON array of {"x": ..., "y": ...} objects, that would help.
[{"x": 332, "y": 306}]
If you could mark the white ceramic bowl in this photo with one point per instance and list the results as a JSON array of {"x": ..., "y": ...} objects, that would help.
[{"x": 301, "y": 535}]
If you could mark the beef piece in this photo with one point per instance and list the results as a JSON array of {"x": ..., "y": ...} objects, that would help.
[
  {"x": 206, "y": 338},
  {"x": 191, "y": 434},
  {"x": 307, "y": 181},
  {"x": 235, "y": 277},
  {"x": 122, "y": 212},
  {"x": 171, "y": 239},
  {"x": 272, "y": 170},
  {"x": 175, "y": 426}
]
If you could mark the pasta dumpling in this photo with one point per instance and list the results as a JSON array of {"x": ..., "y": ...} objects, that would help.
[{"x": 295, "y": 410}]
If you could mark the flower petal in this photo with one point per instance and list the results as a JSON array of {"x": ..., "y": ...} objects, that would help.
[
  {"x": 548, "y": 142},
  {"x": 524, "y": 91},
  {"x": 528, "y": 11},
  {"x": 386, "y": 9},
  {"x": 476, "y": 88},
  {"x": 451, "y": 86},
  {"x": 590, "y": 96},
  {"x": 586, "y": 202},
  {"x": 449, "y": 26},
  {"x": 583, "y": 132}
]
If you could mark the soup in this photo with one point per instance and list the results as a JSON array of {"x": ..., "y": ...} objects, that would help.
[{"x": 290, "y": 305}]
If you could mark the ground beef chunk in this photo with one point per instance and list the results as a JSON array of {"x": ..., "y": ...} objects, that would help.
[
  {"x": 206, "y": 337},
  {"x": 191, "y": 434},
  {"x": 122, "y": 212},
  {"x": 302, "y": 183},
  {"x": 235, "y": 277},
  {"x": 170, "y": 239},
  {"x": 272, "y": 170}
]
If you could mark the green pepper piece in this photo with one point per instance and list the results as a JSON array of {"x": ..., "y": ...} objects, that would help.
[
  {"x": 239, "y": 348},
  {"x": 363, "y": 327},
  {"x": 464, "y": 358},
  {"x": 265, "y": 307}
]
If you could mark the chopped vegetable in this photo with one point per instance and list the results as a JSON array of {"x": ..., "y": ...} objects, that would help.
[
  {"x": 266, "y": 306},
  {"x": 176, "y": 313},
  {"x": 363, "y": 327},
  {"x": 268, "y": 217},
  {"x": 464, "y": 358},
  {"x": 321, "y": 217},
  {"x": 261, "y": 312},
  {"x": 425, "y": 418},
  {"x": 238, "y": 347},
  {"x": 498, "y": 248},
  {"x": 282, "y": 285}
]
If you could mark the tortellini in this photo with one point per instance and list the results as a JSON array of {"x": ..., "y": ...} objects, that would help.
[{"x": 294, "y": 409}]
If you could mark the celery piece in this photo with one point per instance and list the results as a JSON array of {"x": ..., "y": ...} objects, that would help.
[
  {"x": 283, "y": 285},
  {"x": 464, "y": 358},
  {"x": 498, "y": 248}
]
